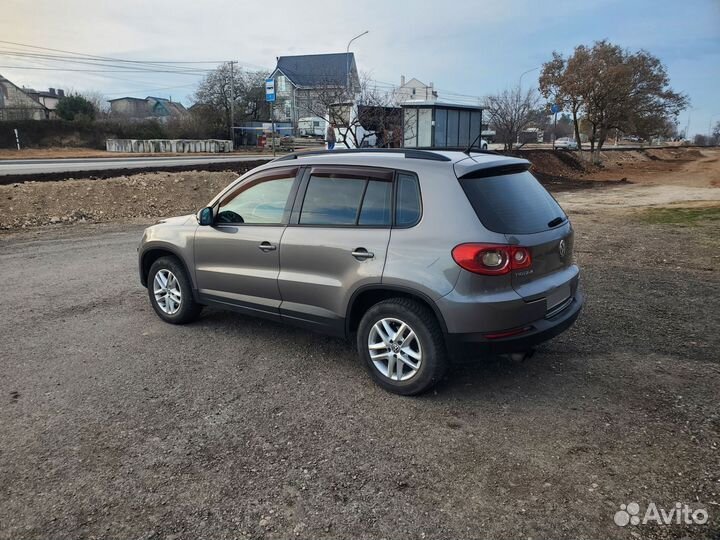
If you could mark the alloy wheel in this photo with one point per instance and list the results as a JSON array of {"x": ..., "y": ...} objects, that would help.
[
  {"x": 394, "y": 349},
  {"x": 167, "y": 291}
]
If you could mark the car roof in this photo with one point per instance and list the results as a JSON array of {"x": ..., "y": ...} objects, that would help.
[{"x": 400, "y": 158}]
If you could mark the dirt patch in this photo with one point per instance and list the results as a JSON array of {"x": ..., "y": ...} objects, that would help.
[
  {"x": 147, "y": 195},
  {"x": 682, "y": 175}
]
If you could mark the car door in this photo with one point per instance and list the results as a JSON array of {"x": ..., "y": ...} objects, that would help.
[
  {"x": 336, "y": 242},
  {"x": 236, "y": 259}
]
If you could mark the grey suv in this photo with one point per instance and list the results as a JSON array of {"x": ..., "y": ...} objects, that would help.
[{"x": 422, "y": 255}]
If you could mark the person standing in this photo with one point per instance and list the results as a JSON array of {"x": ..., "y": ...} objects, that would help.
[{"x": 330, "y": 136}]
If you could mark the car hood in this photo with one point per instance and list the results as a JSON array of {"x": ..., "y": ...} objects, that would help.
[{"x": 177, "y": 220}]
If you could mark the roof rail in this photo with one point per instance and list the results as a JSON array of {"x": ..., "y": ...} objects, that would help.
[
  {"x": 464, "y": 150},
  {"x": 407, "y": 152}
]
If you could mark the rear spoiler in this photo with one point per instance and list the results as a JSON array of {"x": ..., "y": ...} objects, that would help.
[{"x": 493, "y": 170}]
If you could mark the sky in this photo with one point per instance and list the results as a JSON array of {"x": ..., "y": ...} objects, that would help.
[{"x": 465, "y": 47}]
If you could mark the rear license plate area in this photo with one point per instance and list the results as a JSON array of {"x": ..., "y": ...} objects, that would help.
[{"x": 557, "y": 297}]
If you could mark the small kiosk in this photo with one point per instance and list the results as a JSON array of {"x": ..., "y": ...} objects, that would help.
[{"x": 434, "y": 124}]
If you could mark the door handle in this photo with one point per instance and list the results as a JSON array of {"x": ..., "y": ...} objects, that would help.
[
  {"x": 267, "y": 246},
  {"x": 361, "y": 254}
]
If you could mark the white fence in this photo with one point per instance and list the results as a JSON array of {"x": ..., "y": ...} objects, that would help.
[{"x": 176, "y": 146}]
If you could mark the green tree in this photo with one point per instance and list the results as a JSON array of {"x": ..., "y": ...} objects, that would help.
[{"x": 75, "y": 107}]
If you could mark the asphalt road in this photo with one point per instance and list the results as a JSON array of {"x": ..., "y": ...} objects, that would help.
[
  {"x": 114, "y": 424},
  {"x": 70, "y": 165}
]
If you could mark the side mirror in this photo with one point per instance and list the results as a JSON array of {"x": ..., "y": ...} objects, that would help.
[{"x": 205, "y": 216}]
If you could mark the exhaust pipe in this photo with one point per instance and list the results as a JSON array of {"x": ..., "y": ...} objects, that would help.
[{"x": 519, "y": 356}]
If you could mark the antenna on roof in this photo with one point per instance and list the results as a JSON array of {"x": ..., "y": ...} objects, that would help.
[{"x": 467, "y": 150}]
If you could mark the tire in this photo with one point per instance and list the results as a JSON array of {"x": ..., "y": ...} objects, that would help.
[
  {"x": 180, "y": 309},
  {"x": 396, "y": 374},
  {"x": 484, "y": 146}
]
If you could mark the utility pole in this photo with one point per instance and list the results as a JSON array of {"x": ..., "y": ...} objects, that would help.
[{"x": 232, "y": 101}]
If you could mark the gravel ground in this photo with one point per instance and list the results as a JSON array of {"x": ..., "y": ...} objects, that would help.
[{"x": 116, "y": 425}]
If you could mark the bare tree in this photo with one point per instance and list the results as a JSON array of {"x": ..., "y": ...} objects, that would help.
[
  {"x": 99, "y": 101},
  {"x": 358, "y": 116},
  {"x": 510, "y": 112},
  {"x": 216, "y": 91}
]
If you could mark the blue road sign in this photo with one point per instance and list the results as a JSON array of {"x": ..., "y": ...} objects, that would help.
[
  {"x": 269, "y": 89},
  {"x": 554, "y": 109}
]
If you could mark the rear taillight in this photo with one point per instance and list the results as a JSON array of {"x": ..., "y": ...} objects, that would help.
[{"x": 491, "y": 259}]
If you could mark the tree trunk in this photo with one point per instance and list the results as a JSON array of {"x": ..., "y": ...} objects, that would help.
[
  {"x": 601, "y": 138},
  {"x": 577, "y": 128}
]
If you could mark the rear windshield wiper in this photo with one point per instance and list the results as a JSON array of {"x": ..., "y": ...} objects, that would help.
[{"x": 555, "y": 222}]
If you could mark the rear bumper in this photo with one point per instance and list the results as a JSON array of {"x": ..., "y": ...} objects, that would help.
[{"x": 472, "y": 345}]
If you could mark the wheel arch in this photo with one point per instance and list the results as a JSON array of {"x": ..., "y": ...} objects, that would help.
[
  {"x": 369, "y": 295},
  {"x": 153, "y": 253}
]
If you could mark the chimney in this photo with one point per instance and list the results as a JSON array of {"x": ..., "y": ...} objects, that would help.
[
  {"x": 52, "y": 91},
  {"x": 402, "y": 80},
  {"x": 61, "y": 92}
]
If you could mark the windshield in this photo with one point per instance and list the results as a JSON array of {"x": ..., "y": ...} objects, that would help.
[{"x": 513, "y": 203}]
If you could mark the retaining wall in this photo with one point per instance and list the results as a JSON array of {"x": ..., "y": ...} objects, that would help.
[{"x": 176, "y": 146}]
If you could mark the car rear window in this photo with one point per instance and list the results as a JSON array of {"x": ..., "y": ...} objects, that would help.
[{"x": 512, "y": 203}]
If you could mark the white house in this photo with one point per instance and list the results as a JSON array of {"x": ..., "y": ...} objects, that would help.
[{"x": 415, "y": 90}]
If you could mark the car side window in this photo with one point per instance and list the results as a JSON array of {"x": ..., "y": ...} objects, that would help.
[
  {"x": 346, "y": 198},
  {"x": 408, "y": 206},
  {"x": 260, "y": 201},
  {"x": 376, "y": 208}
]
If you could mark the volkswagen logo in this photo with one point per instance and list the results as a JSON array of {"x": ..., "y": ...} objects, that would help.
[{"x": 562, "y": 248}]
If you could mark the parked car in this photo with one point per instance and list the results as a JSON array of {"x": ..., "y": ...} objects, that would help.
[
  {"x": 422, "y": 256},
  {"x": 566, "y": 143}
]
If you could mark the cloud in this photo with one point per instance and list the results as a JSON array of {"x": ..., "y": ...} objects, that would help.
[{"x": 469, "y": 47}]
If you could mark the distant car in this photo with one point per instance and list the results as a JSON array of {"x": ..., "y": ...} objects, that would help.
[{"x": 566, "y": 143}]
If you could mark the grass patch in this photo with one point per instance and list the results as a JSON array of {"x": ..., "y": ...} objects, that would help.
[{"x": 681, "y": 216}]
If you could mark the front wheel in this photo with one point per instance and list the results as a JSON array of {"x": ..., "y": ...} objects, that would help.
[
  {"x": 402, "y": 346},
  {"x": 484, "y": 146},
  {"x": 170, "y": 292}
]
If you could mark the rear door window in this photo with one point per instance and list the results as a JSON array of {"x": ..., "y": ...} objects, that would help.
[
  {"x": 512, "y": 203},
  {"x": 347, "y": 197},
  {"x": 332, "y": 201},
  {"x": 376, "y": 203}
]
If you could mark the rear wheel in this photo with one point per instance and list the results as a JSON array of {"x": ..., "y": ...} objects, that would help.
[
  {"x": 170, "y": 292},
  {"x": 401, "y": 344}
]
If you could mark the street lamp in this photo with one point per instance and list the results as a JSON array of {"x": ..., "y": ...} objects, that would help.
[
  {"x": 347, "y": 56},
  {"x": 525, "y": 73},
  {"x": 520, "y": 90}
]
